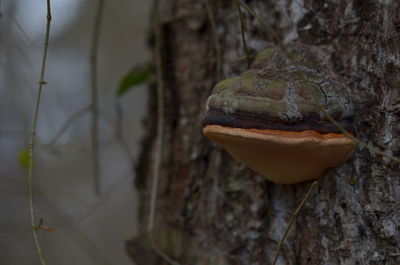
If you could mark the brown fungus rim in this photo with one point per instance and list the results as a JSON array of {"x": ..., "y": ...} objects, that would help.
[{"x": 286, "y": 137}]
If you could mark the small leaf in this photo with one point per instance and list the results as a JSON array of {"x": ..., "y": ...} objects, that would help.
[
  {"x": 23, "y": 158},
  {"x": 138, "y": 75}
]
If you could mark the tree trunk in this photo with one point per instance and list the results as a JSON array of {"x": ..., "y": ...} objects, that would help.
[{"x": 214, "y": 210}]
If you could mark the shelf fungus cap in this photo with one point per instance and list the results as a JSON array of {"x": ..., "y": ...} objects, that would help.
[{"x": 277, "y": 124}]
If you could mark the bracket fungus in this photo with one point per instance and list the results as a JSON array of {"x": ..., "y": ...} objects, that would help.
[{"x": 276, "y": 122}]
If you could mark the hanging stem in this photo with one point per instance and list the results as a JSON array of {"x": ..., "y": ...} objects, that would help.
[
  {"x": 31, "y": 145},
  {"x": 293, "y": 218},
  {"x": 94, "y": 98}
]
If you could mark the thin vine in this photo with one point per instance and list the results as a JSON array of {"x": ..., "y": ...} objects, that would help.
[
  {"x": 295, "y": 214},
  {"x": 31, "y": 145}
]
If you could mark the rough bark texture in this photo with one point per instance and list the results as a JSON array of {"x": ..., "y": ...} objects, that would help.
[{"x": 214, "y": 210}]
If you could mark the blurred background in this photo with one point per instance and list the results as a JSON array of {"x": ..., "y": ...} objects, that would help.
[{"x": 87, "y": 228}]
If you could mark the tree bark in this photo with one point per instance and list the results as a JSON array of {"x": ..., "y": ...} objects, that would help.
[{"x": 212, "y": 209}]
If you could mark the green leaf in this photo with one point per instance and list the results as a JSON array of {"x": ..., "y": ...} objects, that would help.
[
  {"x": 138, "y": 75},
  {"x": 23, "y": 158}
]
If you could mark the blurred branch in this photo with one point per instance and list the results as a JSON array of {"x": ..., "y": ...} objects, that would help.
[
  {"x": 77, "y": 115},
  {"x": 94, "y": 96},
  {"x": 68, "y": 123},
  {"x": 31, "y": 145}
]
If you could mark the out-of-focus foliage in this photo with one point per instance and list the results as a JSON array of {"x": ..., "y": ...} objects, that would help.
[
  {"x": 138, "y": 75},
  {"x": 23, "y": 158}
]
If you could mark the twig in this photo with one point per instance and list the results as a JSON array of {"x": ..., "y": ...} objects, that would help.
[
  {"x": 242, "y": 30},
  {"x": 31, "y": 145},
  {"x": 94, "y": 97},
  {"x": 216, "y": 42},
  {"x": 293, "y": 60},
  {"x": 293, "y": 218}
]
